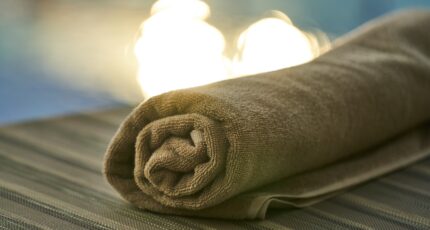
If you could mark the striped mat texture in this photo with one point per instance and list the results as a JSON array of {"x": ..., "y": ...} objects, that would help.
[{"x": 50, "y": 178}]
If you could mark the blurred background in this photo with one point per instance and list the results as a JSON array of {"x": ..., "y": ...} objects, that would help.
[{"x": 64, "y": 56}]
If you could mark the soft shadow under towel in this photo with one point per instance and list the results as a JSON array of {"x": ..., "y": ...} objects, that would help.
[{"x": 291, "y": 137}]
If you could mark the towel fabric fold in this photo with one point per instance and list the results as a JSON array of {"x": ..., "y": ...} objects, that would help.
[{"x": 291, "y": 137}]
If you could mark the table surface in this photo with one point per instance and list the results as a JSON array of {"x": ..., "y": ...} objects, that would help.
[{"x": 50, "y": 177}]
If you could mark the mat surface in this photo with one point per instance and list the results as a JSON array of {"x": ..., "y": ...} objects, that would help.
[{"x": 50, "y": 177}]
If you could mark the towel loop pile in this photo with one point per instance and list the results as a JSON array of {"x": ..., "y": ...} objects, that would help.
[{"x": 291, "y": 137}]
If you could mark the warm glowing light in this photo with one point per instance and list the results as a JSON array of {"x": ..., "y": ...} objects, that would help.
[
  {"x": 270, "y": 44},
  {"x": 178, "y": 49}
]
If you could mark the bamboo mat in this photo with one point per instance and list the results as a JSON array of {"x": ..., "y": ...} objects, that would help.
[{"x": 50, "y": 177}]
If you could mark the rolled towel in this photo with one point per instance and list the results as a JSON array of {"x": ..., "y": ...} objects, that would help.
[{"x": 291, "y": 137}]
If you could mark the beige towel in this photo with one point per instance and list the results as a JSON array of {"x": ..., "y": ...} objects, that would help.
[{"x": 295, "y": 136}]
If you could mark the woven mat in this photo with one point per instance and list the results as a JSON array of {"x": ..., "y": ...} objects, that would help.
[{"x": 50, "y": 177}]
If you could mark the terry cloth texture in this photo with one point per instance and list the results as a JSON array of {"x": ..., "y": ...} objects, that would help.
[
  {"x": 50, "y": 178},
  {"x": 290, "y": 137}
]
